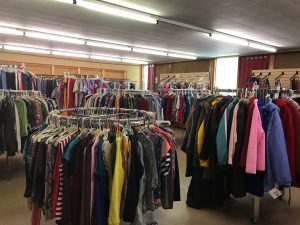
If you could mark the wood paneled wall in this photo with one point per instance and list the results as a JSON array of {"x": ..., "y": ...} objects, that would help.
[{"x": 287, "y": 60}]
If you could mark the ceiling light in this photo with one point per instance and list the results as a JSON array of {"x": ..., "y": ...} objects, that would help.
[
  {"x": 71, "y": 54},
  {"x": 26, "y": 49},
  {"x": 65, "y": 1},
  {"x": 108, "y": 45},
  {"x": 106, "y": 58},
  {"x": 116, "y": 11},
  {"x": 229, "y": 39},
  {"x": 182, "y": 56},
  {"x": 262, "y": 47},
  {"x": 54, "y": 37},
  {"x": 8, "y": 30},
  {"x": 134, "y": 61},
  {"x": 149, "y": 51},
  {"x": 132, "y": 6}
]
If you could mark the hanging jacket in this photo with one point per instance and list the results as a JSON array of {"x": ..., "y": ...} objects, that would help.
[
  {"x": 296, "y": 123},
  {"x": 288, "y": 128},
  {"x": 247, "y": 133},
  {"x": 256, "y": 147},
  {"x": 277, "y": 164},
  {"x": 222, "y": 134},
  {"x": 233, "y": 135}
]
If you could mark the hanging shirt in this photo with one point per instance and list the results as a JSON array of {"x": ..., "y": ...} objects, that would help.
[{"x": 118, "y": 179}]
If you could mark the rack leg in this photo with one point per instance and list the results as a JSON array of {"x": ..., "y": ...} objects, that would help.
[
  {"x": 8, "y": 164},
  {"x": 255, "y": 209}
]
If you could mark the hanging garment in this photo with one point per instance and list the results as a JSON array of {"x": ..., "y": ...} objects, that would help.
[{"x": 277, "y": 165}]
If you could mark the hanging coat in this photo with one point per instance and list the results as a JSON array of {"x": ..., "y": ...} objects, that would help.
[
  {"x": 288, "y": 128},
  {"x": 277, "y": 165}
]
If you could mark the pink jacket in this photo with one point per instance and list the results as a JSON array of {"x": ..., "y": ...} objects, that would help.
[{"x": 256, "y": 145}]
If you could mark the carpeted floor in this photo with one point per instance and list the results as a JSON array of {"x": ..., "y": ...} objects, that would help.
[{"x": 14, "y": 209}]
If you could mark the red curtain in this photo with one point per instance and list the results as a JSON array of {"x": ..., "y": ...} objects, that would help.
[
  {"x": 249, "y": 63},
  {"x": 151, "y": 77}
]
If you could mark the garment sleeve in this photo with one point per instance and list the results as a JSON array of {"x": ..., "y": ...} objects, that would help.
[
  {"x": 233, "y": 136},
  {"x": 252, "y": 144}
]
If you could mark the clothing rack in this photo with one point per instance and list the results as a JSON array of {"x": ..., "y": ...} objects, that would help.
[
  {"x": 60, "y": 131},
  {"x": 130, "y": 99},
  {"x": 256, "y": 199},
  {"x": 12, "y": 93}
]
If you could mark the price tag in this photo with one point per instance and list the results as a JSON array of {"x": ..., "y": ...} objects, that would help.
[{"x": 275, "y": 193}]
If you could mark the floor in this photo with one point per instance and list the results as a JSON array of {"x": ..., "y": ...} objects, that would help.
[{"x": 14, "y": 209}]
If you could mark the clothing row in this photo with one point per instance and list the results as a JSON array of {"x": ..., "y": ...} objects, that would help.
[
  {"x": 100, "y": 176},
  {"x": 16, "y": 79},
  {"x": 129, "y": 101},
  {"x": 238, "y": 146},
  {"x": 18, "y": 116},
  {"x": 178, "y": 106},
  {"x": 71, "y": 91},
  {"x": 46, "y": 85}
]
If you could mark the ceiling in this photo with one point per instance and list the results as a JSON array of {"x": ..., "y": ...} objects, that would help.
[{"x": 275, "y": 22}]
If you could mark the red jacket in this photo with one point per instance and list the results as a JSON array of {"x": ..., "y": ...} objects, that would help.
[
  {"x": 288, "y": 127},
  {"x": 296, "y": 124}
]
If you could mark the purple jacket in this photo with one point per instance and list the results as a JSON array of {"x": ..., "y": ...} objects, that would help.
[{"x": 277, "y": 165}]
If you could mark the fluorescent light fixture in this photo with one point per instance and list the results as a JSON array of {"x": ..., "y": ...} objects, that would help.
[
  {"x": 229, "y": 39},
  {"x": 176, "y": 55},
  {"x": 149, "y": 51},
  {"x": 134, "y": 61},
  {"x": 262, "y": 47},
  {"x": 116, "y": 11},
  {"x": 25, "y": 45},
  {"x": 105, "y": 58},
  {"x": 71, "y": 54},
  {"x": 132, "y": 6},
  {"x": 108, "y": 45},
  {"x": 54, "y": 37},
  {"x": 9, "y": 30},
  {"x": 26, "y": 49},
  {"x": 65, "y": 1}
]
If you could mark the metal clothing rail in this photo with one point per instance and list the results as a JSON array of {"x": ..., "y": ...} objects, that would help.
[
  {"x": 122, "y": 91},
  {"x": 8, "y": 92},
  {"x": 107, "y": 110},
  {"x": 190, "y": 91},
  {"x": 97, "y": 116}
]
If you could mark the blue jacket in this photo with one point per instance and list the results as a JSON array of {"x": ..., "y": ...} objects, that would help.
[{"x": 277, "y": 164}]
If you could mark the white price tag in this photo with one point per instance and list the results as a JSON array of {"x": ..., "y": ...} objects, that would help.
[{"x": 275, "y": 193}]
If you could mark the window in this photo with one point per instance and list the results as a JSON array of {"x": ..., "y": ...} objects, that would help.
[{"x": 226, "y": 73}]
